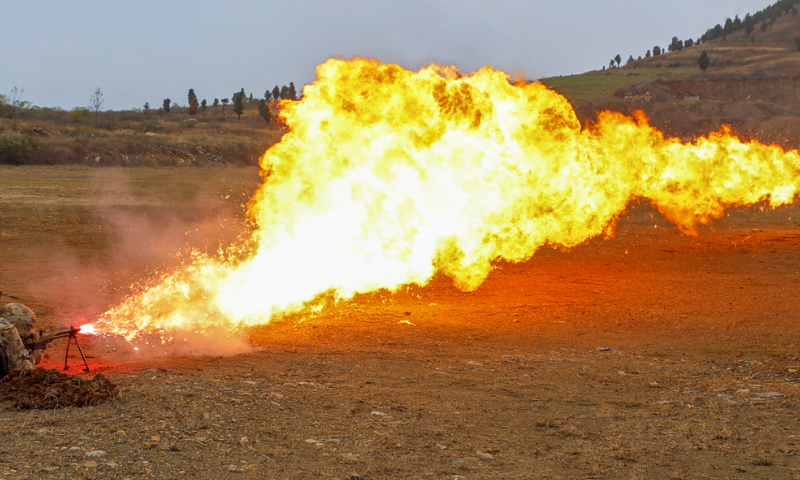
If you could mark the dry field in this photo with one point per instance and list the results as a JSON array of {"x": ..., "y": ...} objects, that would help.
[{"x": 649, "y": 355}]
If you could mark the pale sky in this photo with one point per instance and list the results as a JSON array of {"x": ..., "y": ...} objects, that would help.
[{"x": 144, "y": 51}]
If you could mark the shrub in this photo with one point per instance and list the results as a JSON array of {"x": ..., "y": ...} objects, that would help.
[{"x": 16, "y": 151}]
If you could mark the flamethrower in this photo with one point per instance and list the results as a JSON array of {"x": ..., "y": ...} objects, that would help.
[{"x": 45, "y": 338}]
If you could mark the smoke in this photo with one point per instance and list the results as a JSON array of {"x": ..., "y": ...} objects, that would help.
[{"x": 129, "y": 232}]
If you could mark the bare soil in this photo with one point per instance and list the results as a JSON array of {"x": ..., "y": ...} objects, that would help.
[{"x": 648, "y": 355}]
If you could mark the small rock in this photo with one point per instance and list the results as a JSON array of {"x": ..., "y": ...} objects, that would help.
[
  {"x": 333, "y": 440},
  {"x": 234, "y": 468},
  {"x": 311, "y": 440},
  {"x": 95, "y": 453},
  {"x": 74, "y": 448},
  {"x": 791, "y": 370},
  {"x": 50, "y": 469},
  {"x": 84, "y": 438},
  {"x": 375, "y": 412},
  {"x": 112, "y": 464},
  {"x": 250, "y": 382},
  {"x": 355, "y": 477},
  {"x": 604, "y": 349},
  {"x": 475, "y": 364},
  {"x": 350, "y": 457},
  {"x": 770, "y": 395},
  {"x": 154, "y": 370},
  {"x": 484, "y": 455},
  {"x": 458, "y": 462},
  {"x": 243, "y": 440},
  {"x": 90, "y": 464}
]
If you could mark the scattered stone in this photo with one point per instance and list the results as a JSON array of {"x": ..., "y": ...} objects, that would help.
[
  {"x": 95, "y": 453},
  {"x": 155, "y": 443}
]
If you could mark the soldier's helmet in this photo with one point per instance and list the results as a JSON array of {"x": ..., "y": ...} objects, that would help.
[{"x": 21, "y": 317}]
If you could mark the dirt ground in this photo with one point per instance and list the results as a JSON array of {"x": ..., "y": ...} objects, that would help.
[{"x": 649, "y": 355}]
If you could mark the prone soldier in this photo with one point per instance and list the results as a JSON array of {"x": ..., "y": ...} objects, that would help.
[{"x": 17, "y": 324}]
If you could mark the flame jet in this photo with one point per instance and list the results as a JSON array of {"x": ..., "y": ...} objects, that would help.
[{"x": 387, "y": 176}]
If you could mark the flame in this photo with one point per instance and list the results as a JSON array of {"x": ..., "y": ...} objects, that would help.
[{"x": 387, "y": 176}]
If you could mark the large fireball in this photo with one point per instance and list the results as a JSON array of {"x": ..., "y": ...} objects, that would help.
[{"x": 387, "y": 176}]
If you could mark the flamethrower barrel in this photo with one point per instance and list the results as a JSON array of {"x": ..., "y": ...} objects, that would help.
[{"x": 70, "y": 333}]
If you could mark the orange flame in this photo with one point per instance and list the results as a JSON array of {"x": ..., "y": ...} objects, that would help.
[{"x": 387, "y": 176}]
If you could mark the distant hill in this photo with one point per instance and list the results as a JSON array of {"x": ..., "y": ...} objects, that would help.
[{"x": 752, "y": 84}]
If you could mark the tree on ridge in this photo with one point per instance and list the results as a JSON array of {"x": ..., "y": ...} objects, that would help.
[{"x": 703, "y": 61}]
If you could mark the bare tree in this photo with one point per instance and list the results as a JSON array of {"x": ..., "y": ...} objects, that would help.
[
  {"x": 96, "y": 103},
  {"x": 15, "y": 96}
]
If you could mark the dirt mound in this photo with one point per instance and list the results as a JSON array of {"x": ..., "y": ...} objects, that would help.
[{"x": 49, "y": 389}]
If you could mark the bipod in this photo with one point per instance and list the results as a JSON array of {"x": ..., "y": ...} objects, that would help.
[{"x": 66, "y": 355}]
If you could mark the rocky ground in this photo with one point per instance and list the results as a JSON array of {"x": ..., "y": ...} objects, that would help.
[{"x": 649, "y": 355}]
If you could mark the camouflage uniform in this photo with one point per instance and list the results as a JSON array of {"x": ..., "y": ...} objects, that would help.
[{"x": 15, "y": 355}]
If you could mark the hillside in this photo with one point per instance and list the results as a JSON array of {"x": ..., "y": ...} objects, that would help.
[
  {"x": 48, "y": 136},
  {"x": 752, "y": 84}
]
